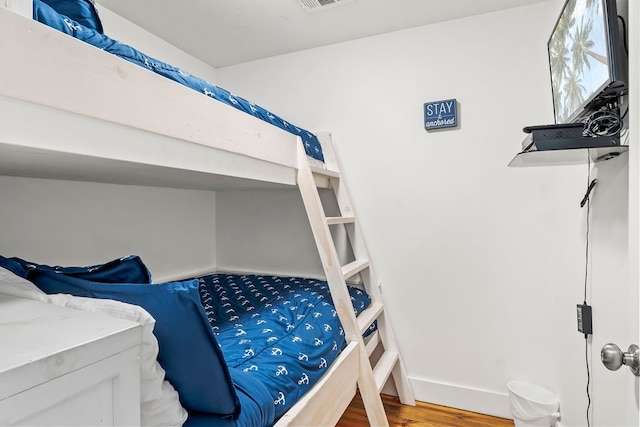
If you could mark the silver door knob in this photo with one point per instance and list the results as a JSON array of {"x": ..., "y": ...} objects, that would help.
[{"x": 613, "y": 358}]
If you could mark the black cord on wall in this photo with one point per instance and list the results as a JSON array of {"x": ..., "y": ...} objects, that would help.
[
  {"x": 586, "y": 353},
  {"x": 587, "y": 199}
]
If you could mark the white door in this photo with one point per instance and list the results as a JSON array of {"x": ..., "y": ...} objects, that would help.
[{"x": 616, "y": 274}]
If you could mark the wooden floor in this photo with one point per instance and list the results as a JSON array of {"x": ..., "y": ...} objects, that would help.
[{"x": 423, "y": 414}]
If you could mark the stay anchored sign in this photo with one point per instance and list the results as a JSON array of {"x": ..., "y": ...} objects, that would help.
[{"x": 440, "y": 114}]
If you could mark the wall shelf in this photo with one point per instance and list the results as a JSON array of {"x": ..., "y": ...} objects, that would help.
[{"x": 573, "y": 156}]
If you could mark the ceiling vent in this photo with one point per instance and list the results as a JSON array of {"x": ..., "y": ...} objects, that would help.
[{"x": 315, "y": 5}]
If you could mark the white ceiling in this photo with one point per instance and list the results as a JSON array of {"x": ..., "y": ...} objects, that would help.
[{"x": 228, "y": 32}]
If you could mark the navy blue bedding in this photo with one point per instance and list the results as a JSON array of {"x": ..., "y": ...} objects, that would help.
[
  {"x": 240, "y": 349},
  {"x": 254, "y": 400},
  {"x": 129, "y": 269},
  {"x": 283, "y": 331},
  {"x": 187, "y": 347},
  {"x": 48, "y": 16}
]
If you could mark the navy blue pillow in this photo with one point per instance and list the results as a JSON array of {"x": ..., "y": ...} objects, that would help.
[
  {"x": 129, "y": 269},
  {"x": 188, "y": 350},
  {"x": 82, "y": 11},
  {"x": 13, "y": 266}
]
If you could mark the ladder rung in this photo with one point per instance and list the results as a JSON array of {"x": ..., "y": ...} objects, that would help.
[
  {"x": 372, "y": 342},
  {"x": 354, "y": 268},
  {"x": 384, "y": 367},
  {"x": 325, "y": 172},
  {"x": 332, "y": 220},
  {"x": 368, "y": 316},
  {"x": 322, "y": 181}
]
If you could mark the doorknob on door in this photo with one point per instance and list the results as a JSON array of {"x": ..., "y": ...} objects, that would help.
[{"x": 613, "y": 358}]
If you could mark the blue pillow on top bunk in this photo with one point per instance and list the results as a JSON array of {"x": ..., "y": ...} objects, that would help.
[
  {"x": 82, "y": 11},
  {"x": 129, "y": 269},
  {"x": 188, "y": 350}
]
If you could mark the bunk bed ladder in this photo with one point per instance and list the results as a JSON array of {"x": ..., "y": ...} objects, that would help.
[{"x": 381, "y": 346}]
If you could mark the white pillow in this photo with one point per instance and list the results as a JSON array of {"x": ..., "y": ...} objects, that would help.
[
  {"x": 159, "y": 403},
  {"x": 14, "y": 285}
]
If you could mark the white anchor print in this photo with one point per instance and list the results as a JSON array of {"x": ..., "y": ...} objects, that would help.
[
  {"x": 280, "y": 399},
  {"x": 304, "y": 379}
]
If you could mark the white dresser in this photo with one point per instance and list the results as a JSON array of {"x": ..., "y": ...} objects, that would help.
[{"x": 61, "y": 366}]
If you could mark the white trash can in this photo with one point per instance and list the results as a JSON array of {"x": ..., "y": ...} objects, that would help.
[{"x": 532, "y": 405}]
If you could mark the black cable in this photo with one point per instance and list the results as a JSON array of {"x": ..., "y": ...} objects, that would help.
[
  {"x": 603, "y": 122},
  {"x": 528, "y": 147},
  {"x": 586, "y": 352},
  {"x": 590, "y": 185},
  {"x": 587, "y": 200},
  {"x": 582, "y": 203},
  {"x": 625, "y": 113}
]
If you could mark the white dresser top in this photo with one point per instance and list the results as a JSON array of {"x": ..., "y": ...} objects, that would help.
[{"x": 39, "y": 342}]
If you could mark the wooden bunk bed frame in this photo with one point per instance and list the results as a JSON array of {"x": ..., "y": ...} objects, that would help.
[{"x": 189, "y": 141}]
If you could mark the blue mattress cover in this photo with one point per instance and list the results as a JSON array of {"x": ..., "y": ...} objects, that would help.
[
  {"x": 282, "y": 331},
  {"x": 46, "y": 15},
  {"x": 254, "y": 400}
]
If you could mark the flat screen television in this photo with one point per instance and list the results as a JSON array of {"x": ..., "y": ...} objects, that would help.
[{"x": 587, "y": 59}]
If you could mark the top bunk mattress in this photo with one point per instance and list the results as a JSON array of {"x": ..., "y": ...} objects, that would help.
[{"x": 45, "y": 14}]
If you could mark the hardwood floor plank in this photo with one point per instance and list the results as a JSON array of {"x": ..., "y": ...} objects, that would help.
[{"x": 423, "y": 414}]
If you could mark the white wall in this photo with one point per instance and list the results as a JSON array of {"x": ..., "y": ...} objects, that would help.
[
  {"x": 254, "y": 238},
  {"x": 267, "y": 231},
  {"x": 127, "y": 32},
  {"x": 482, "y": 265},
  {"x": 80, "y": 223}
]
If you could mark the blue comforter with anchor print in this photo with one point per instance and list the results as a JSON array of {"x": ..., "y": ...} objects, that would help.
[{"x": 283, "y": 331}]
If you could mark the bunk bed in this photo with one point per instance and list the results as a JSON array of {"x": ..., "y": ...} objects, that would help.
[
  {"x": 238, "y": 349},
  {"x": 183, "y": 140},
  {"x": 212, "y": 146}
]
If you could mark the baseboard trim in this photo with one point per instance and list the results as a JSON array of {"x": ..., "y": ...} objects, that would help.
[{"x": 462, "y": 397}]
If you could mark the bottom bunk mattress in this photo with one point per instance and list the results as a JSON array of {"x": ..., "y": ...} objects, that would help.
[
  {"x": 283, "y": 332},
  {"x": 240, "y": 350}
]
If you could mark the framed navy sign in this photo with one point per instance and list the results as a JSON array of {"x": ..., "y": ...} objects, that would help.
[{"x": 440, "y": 114}]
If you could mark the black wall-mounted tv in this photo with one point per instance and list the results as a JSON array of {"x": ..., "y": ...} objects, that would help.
[{"x": 587, "y": 59}]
